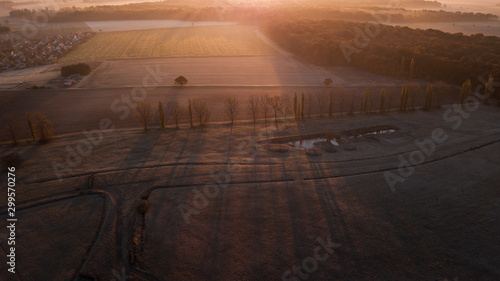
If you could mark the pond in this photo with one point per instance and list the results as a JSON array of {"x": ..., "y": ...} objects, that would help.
[{"x": 379, "y": 132}]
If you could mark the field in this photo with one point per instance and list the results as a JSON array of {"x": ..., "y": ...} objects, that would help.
[
  {"x": 128, "y": 25},
  {"x": 440, "y": 223},
  {"x": 174, "y": 42},
  {"x": 243, "y": 201}
]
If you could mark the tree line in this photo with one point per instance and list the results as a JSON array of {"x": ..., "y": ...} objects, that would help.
[
  {"x": 241, "y": 13},
  {"x": 328, "y": 103},
  {"x": 435, "y": 55}
]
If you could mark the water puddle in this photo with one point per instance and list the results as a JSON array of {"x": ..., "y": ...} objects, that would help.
[
  {"x": 380, "y": 132},
  {"x": 309, "y": 143}
]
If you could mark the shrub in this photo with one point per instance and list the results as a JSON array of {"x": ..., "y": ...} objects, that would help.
[{"x": 80, "y": 68}]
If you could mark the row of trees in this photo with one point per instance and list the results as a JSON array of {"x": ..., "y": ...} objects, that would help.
[
  {"x": 392, "y": 50},
  {"x": 40, "y": 127},
  {"x": 303, "y": 105}
]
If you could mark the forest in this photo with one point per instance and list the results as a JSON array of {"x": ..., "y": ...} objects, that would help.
[
  {"x": 244, "y": 14},
  {"x": 389, "y": 50}
]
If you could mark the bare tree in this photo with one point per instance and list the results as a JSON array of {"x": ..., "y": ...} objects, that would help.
[
  {"x": 43, "y": 127},
  {"x": 161, "y": 114},
  {"x": 264, "y": 106},
  {"x": 30, "y": 125},
  {"x": 253, "y": 107},
  {"x": 175, "y": 111},
  {"x": 308, "y": 105},
  {"x": 144, "y": 114},
  {"x": 11, "y": 123},
  {"x": 286, "y": 104},
  {"x": 341, "y": 104},
  {"x": 181, "y": 80},
  {"x": 277, "y": 104},
  {"x": 320, "y": 101},
  {"x": 190, "y": 113},
  {"x": 231, "y": 107},
  {"x": 201, "y": 111},
  {"x": 351, "y": 109}
]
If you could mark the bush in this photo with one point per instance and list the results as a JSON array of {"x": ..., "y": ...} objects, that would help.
[
  {"x": 80, "y": 68},
  {"x": 11, "y": 160}
]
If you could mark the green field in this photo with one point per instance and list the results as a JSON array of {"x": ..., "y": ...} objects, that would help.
[{"x": 203, "y": 41}]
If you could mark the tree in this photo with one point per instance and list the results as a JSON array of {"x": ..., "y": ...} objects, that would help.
[
  {"x": 364, "y": 105},
  {"x": 402, "y": 68},
  {"x": 403, "y": 100},
  {"x": 382, "y": 102},
  {"x": 161, "y": 114},
  {"x": 144, "y": 114},
  {"x": 175, "y": 111},
  {"x": 190, "y": 112},
  {"x": 286, "y": 104},
  {"x": 253, "y": 107},
  {"x": 327, "y": 82},
  {"x": 390, "y": 104},
  {"x": 264, "y": 106},
  {"x": 201, "y": 111},
  {"x": 488, "y": 89},
  {"x": 308, "y": 105},
  {"x": 11, "y": 123},
  {"x": 411, "y": 70},
  {"x": 465, "y": 91},
  {"x": 428, "y": 97},
  {"x": 321, "y": 104},
  {"x": 330, "y": 104},
  {"x": 231, "y": 108},
  {"x": 181, "y": 80},
  {"x": 303, "y": 104},
  {"x": 295, "y": 106},
  {"x": 341, "y": 104},
  {"x": 277, "y": 104},
  {"x": 43, "y": 127},
  {"x": 31, "y": 126},
  {"x": 351, "y": 109}
]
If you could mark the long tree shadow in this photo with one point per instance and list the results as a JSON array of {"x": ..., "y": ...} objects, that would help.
[{"x": 333, "y": 214}]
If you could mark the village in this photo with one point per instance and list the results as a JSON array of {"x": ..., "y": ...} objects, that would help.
[{"x": 34, "y": 52}]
